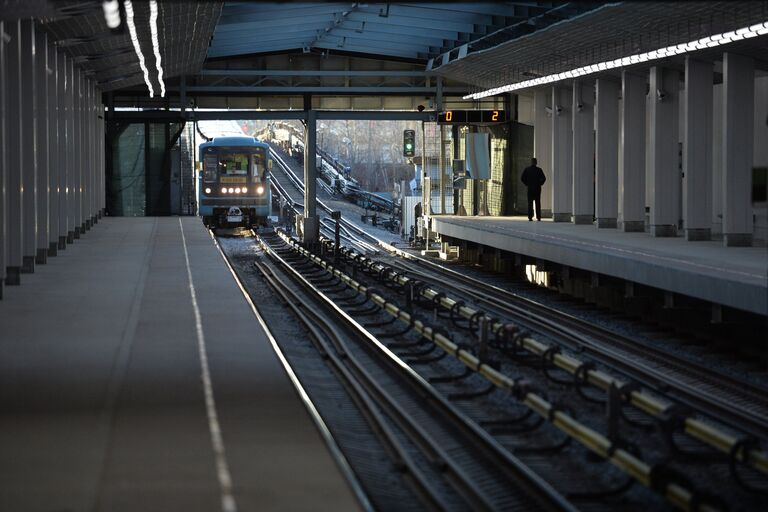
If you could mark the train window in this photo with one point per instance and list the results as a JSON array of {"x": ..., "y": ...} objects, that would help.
[
  {"x": 257, "y": 166},
  {"x": 210, "y": 165},
  {"x": 233, "y": 164}
]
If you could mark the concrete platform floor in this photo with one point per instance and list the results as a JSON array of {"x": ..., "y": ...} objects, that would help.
[
  {"x": 102, "y": 404},
  {"x": 732, "y": 276}
]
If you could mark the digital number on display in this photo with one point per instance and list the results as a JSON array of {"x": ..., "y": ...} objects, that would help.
[{"x": 472, "y": 116}]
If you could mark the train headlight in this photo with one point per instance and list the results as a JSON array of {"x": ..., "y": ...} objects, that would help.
[
  {"x": 259, "y": 190},
  {"x": 237, "y": 190},
  {"x": 245, "y": 190},
  {"x": 207, "y": 190},
  {"x": 223, "y": 190},
  {"x": 231, "y": 190}
]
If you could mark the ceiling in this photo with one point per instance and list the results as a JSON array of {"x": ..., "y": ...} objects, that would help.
[
  {"x": 108, "y": 56},
  {"x": 405, "y": 31},
  {"x": 603, "y": 33}
]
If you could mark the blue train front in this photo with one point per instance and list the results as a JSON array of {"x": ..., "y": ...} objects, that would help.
[{"x": 233, "y": 185}]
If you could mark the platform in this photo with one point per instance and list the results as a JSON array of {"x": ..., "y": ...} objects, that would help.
[
  {"x": 732, "y": 276},
  {"x": 102, "y": 404}
]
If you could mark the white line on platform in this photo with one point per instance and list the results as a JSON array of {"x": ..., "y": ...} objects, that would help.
[{"x": 222, "y": 468}]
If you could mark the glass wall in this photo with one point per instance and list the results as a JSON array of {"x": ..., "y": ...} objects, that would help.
[
  {"x": 126, "y": 183},
  {"x": 139, "y": 168}
]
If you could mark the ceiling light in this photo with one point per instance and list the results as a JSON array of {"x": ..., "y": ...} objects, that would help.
[
  {"x": 111, "y": 13},
  {"x": 136, "y": 46},
  {"x": 757, "y": 29},
  {"x": 156, "y": 44}
]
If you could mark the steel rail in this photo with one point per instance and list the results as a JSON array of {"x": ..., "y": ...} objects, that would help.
[
  {"x": 677, "y": 493},
  {"x": 601, "y": 343},
  {"x": 543, "y": 493},
  {"x": 651, "y": 405},
  {"x": 314, "y": 323}
]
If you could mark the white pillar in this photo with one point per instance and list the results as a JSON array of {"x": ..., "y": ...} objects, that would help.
[
  {"x": 72, "y": 153},
  {"x": 65, "y": 154},
  {"x": 542, "y": 143},
  {"x": 14, "y": 156},
  {"x": 665, "y": 182},
  {"x": 81, "y": 157},
  {"x": 3, "y": 159},
  {"x": 717, "y": 159},
  {"x": 102, "y": 165},
  {"x": 41, "y": 134},
  {"x": 738, "y": 133},
  {"x": 583, "y": 116},
  {"x": 88, "y": 167},
  {"x": 562, "y": 140},
  {"x": 632, "y": 153},
  {"x": 607, "y": 153},
  {"x": 697, "y": 150},
  {"x": 29, "y": 145},
  {"x": 54, "y": 164},
  {"x": 77, "y": 149}
]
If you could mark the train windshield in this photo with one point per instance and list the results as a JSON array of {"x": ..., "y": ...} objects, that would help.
[{"x": 230, "y": 165}]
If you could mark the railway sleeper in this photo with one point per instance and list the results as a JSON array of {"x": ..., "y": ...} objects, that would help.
[
  {"x": 692, "y": 426},
  {"x": 678, "y": 492}
]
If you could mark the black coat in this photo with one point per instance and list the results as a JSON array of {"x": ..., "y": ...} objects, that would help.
[{"x": 533, "y": 177}]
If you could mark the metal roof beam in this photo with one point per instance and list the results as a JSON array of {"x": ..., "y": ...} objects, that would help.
[
  {"x": 412, "y": 22},
  {"x": 374, "y": 50},
  {"x": 272, "y": 115},
  {"x": 257, "y": 27},
  {"x": 309, "y": 72},
  {"x": 319, "y": 89},
  {"x": 509, "y": 9},
  {"x": 407, "y": 36}
]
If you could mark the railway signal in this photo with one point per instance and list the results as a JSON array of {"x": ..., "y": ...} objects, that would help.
[{"x": 409, "y": 143}]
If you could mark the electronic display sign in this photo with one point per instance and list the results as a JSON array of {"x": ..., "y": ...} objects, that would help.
[{"x": 472, "y": 116}]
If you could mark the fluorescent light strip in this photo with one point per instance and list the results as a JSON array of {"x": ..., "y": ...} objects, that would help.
[
  {"x": 135, "y": 40},
  {"x": 759, "y": 29},
  {"x": 156, "y": 44},
  {"x": 111, "y": 13}
]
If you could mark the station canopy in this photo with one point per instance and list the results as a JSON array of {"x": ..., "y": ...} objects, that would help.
[{"x": 335, "y": 48}]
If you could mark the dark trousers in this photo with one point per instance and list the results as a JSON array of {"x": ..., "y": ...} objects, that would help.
[{"x": 534, "y": 195}]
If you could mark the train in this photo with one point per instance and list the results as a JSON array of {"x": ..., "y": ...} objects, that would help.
[{"x": 233, "y": 183}]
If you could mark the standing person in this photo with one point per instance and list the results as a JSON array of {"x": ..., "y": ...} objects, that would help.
[{"x": 533, "y": 178}]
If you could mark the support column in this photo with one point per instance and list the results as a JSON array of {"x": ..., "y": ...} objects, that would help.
[
  {"x": 14, "y": 155},
  {"x": 607, "y": 153},
  {"x": 311, "y": 228},
  {"x": 102, "y": 164},
  {"x": 3, "y": 159},
  {"x": 88, "y": 164},
  {"x": 697, "y": 150},
  {"x": 82, "y": 160},
  {"x": 738, "y": 134},
  {"x": 441, "y": 165},
  {"x": 54, "y": 164},
  {"x": 29, "y": 145},
  {"x": 41, "y": 134},
  {"x": 665, "y": 184},
  {"x": 717, "y": 159},
  {"x": 64, "y": 84},
  {"x": 542, "y": 144},
  {"x": 95, "y": 153},
  {"x": 583, "y": 111},
  {"x": 632, "y": 153},
  {"x": 74, "y": 183},
  {"x": 71, "y": 152},
  {"x": 562, "y": 140}
]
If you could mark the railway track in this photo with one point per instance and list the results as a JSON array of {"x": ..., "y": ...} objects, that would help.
[
  {"x": 449, "y": 462},
  {"x": 645, "y": 472},
  {"x": 680, "y": 388},
  {"x": 738, "y": 402}
]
